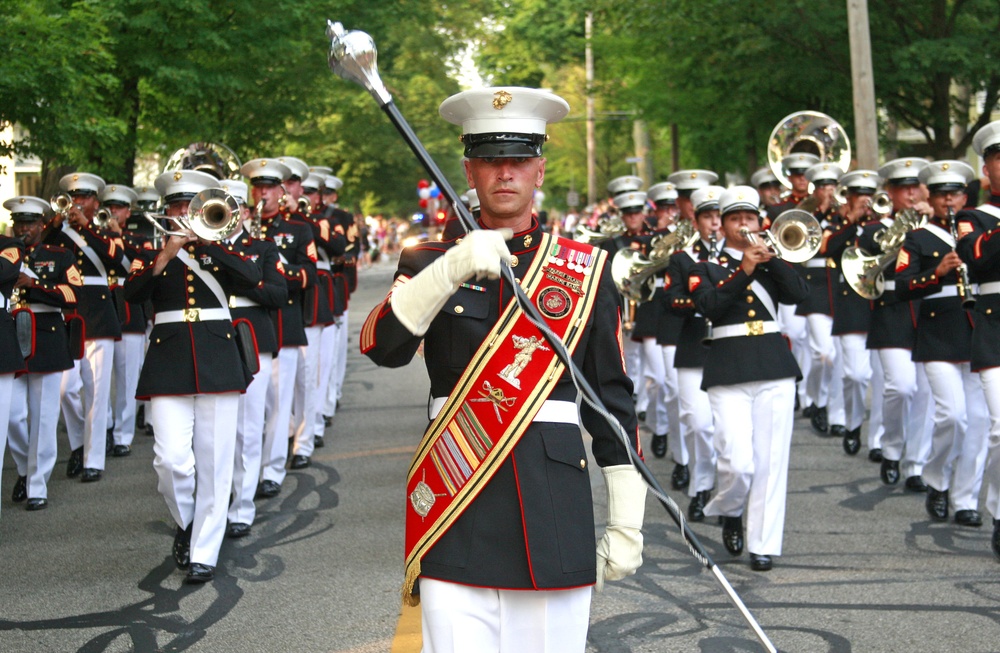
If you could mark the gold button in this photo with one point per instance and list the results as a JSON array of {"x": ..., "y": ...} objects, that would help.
[
  {"x": 227, "y": 336},
  {"x": 749, "y": 299},
  {"x": 751, "y": 313},
  {"x": 104, "y": 296},
  {"x": 459, "y": 310},
  {"x": 845, "y": 293},
  {"x": 290, "y": 302},
  {"x": 583, "y": 464},
  {"x": 513, "y": 261},
  {"x": 215, "y": 269},
  {"x": 989, "y": 310},
  {"x": 190, "y": 277},
  {"x": 935, "y": 254},
  {"x": 932, "y": 313},
  {"x": 881, "y": 303},
  {"x": 191, "y": 301},
  {"x": 157, "y": 341},
  {"x": 190, "y": 288},
  {"x": 527, "y": 240}
]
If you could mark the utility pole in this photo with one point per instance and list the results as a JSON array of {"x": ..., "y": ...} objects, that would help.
[
  {"x": 640, "y": 136},
  {"x": 865, "y": 122},
  {"x": 591, "y": 142}
]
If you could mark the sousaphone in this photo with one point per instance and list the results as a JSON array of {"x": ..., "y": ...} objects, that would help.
[{"x": 808, "y": 131}]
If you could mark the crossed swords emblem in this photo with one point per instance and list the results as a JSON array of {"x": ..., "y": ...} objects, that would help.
[{"x": 496, "y": 397}]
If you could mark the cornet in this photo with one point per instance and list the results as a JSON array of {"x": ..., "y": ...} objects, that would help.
[
  {"x": 102, "y": 218},
  {"x": 305, "y": 206},
  {"x": 213, "y": 214},
  {"x": 795, "y": 236}
]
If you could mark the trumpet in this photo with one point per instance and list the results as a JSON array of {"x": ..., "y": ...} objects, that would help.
[
  {"x": 305, "y": 206},
  {"x": 213, "y": 214},
  {"x": 795, "y": 236},
  {"x": 61, "y": 204},
  {"x": 102, "y": 218}
]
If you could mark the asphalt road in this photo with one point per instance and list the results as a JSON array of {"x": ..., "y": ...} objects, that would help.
[{"x": 863, "y": 568}]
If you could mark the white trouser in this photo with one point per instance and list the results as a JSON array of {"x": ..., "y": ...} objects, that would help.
[
  {"x": 654, "y": 378},
  {"x": 857, "y": 374},
  {"x": 753, "y": 471},
  {"x": 669, "y": 422},
  {"x": 305, "y": 402},
  {"x": 195, "y": 439},
  {"x": 796, "y": 330},
  {"x": 338, "y": 354},
  {"x": 6, "y": 390},
  {"x": 339, "y": 368},
  {"x": 327, "y": 355},
  {"x": 990, "y": 379},
  {"x": 875, "y": 427},
  {"x": 463, "y": 619},
  {"x": 904, "y": 411},
  {"x": 822, "y": 384},
  {"x": 696, "y": 420},
  {"x": 249, "y": 442},
  {"x": 632, "y": 351},
  {"x": 280, "y": 393},
  {"x": 958, "y": 449},
  {"x": 34, "y": 416},
  {"x": 129, "y": 352},
  {"x": 86, "y": 393}
]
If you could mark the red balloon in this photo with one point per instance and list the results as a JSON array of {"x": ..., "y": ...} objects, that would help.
[
  {"x": 423, "y": 183},
  {"x": 423, "y": 204}
]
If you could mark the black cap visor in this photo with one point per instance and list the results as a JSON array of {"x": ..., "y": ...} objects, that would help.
[{"x": 503, "y": 146}]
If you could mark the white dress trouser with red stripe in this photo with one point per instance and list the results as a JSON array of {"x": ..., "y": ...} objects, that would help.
[
  {"x": 32, "y": 429},
  {"x": 654, "y": 378},
  {"x": 462, "y": 619},
  {"x": 305, "y": 403},
  {"x": 249, "y": 442},
  {"x": 857, "y": 374},
  {"x": 907, "y": 436},
  {"x": 6, "y": 390},
  {"x": 696, "y": 420},
  {"x": 128, "y": 354},
  {"x": 875, "y": 428},
  {"x": 753, "y": 471},
  {"x": 990, "y": 379},
  {"x": 339, "y": 369},
  {"x": 86, "y": 394},
  {"x": 794, "y": 328},
  {"x": 669, "y": 422},
  {"x": 280, "y": 393},
  {"x": 632, "y": 352},
  {"x": 823, "y": 382},
  {"x": 195, "y": 441},
  {"x": 327, "y": 356}
]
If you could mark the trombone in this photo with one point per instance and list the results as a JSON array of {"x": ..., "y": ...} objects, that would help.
[
  {"x": 213, "y": 214},
  {"x": 795, "y": 236}
]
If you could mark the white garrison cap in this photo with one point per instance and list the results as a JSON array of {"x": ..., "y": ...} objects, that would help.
[
  {"x": 81, "y": 182},
  {"x": 662, "y": 193},
  {"x": 706, "y": 198},
  {"x": 322, "y": 171},
  {"x": 265, "y": 171},
  {"x": 26, "y": 207},
  {"x": 236, "y": 188},
  {"x": 332, "y": 183},
  {"x": 947, "y": 175},
  {"x": 176, "y": 185},
  {"x": 987, "y": 140},
  {"x": 313, "y": 182},
  {"x": 630, "y": 200},
  {"x": 763, "y": 176},
  {"x": 861, "y": 181},
  {"x": 739, "y": 198},
  {"x": 146, "y": 194},
  {"x": 688, "y": 180},
  {"x": 824, "y": 173},
  {"x": 119, "y": 194},
  {"x": 298, "y": 167},
  {"x": 902, "y": 172},
  {"x": 620, "y": 185},
  {"x": 799, "y": 162},
  {"x": 473, "y": 196},
  {"x": 503, "y": 122}
]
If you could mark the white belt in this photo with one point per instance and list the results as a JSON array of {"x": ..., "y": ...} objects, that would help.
[
  {"x": 322, "y": 265},
  {"x": 890, "y": 285},
  {"x": 192, "y": 315},
  {"x": 43, "y": 308},
  {"x": 989, "y": 288},
  {"x": 815, "y": 263},
  {"x": 946, "y": 291},
  {"x": 564, "y": 412},
  {"x": 95, "y": 281},
  {"x": 754, "y": 328},
  {"x": 6, "y": 302},
  {"x": 658, "y": 282},
  {"x": 235, "y": 301}
]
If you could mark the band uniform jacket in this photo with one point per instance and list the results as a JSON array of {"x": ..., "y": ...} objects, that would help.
[
  {"x": 348, "y": 265},
  {"x": 851, "y": 311},
  {"x": 819, "y": 272},
  {"x": 532, "y": 525},
  {"x": 197, "y": 356},
  {"x": 668, "y": 323},
  {"x": 298, "y": 261},
  {"x": 646, "y": 313},
  {"x": 11, "y": 255},
  {"x": 722, "y": 292},
  {"x": 893, "y": 321},
  {"x": 330, "y": 244},
  {"x": 691, "y": 347},
  {"x": 94, "y": 301},
  {"x": 58, "y": 281},
  {"x": 979, "y": 247},
  {"x": 135, "y": 314},
  {"x": 270, "y": 294},
  {"x": 944, "y": 328}
]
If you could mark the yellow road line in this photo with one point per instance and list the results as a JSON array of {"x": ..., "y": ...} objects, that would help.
[{"x": 409, "y": 638}]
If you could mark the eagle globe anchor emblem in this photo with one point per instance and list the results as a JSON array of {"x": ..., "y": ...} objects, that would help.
[{"x": 526, "y": 347}]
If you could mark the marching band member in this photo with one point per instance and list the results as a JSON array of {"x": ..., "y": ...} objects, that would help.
[
  {"x": 695, "y": 411},
  {"x": 344, "y": 270},
  {"x": 86, "y": 388},
  {"x": 927, "y": 268},
  {"x": 510, "y": 558},
  {"x": 193, "y": 374},
  {"x": 750, "y": 377},
  {"x": 11, "y": 359}
]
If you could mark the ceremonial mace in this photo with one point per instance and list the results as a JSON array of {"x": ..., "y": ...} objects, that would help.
[{"x": 353, "y": 56}]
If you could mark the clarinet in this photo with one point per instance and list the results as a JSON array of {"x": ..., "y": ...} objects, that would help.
[{"x": 964, "y": 286}]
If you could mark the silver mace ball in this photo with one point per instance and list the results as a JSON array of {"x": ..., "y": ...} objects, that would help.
[{"x": 353, "y": 56}]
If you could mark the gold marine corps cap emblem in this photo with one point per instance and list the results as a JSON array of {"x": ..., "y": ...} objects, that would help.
[
  {"x": 178, "y": 176},
  {"x": 501, "y": 99}
]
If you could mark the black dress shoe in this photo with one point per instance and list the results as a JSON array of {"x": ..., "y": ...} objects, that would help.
[
  {"x": 696, "y": 509},
  {"x": 760, "y": 562},
  {"x": 890, "y": 471},
  {"x": 121, "y": 450},
  {"x": 641, "y": 415},
  {"x": 937, "y": 504},
  {"x": 852, "y": 441},
  {"x": 182, "y": 547},
  {"x": 915, "y": 484},
  {"x": 327, "y": 420},
  {"x": 659, "y": 445},
  {"x": 837, "y": 430},
  {"x": 809, "y": 411},
  {"x": 75, "y": 464},
  {"x": 149, "y": 429},
  {"x": 199, "y": 573},
  {"x": 236, "y": 530},
  {"x": 267, "y": 489},
  {"x": 109, "y": 441},
  {"x": 995, "y": 542},
  {"x": 299, "y": 462},
  {"x": 875, "y": 455},
  {"x": 37, "y": 504},
  {"x": 90, "y": 475},
  {"x": 819, "y": 420},
  {"x": 732, "y": 534},
  {"x": 318, "y": 442},
  {"x": 680, "y": 477},
  {"x": 20, "y": 492},
  {"x": 968, "y": 518},
  {"x": 140, "y": 416}
]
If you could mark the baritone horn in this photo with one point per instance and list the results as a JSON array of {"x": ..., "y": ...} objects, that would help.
[
  {"x": 864, "y": 273},
  {"x": 807, "y": 131},
  {"x": 212, "y": 215},
  {"x": 795, "y": 236}
]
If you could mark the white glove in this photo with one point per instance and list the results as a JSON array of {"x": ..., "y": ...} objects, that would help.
[
  {"x": 416, "y": 302},
  {"x": 619, "y": 553}
]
